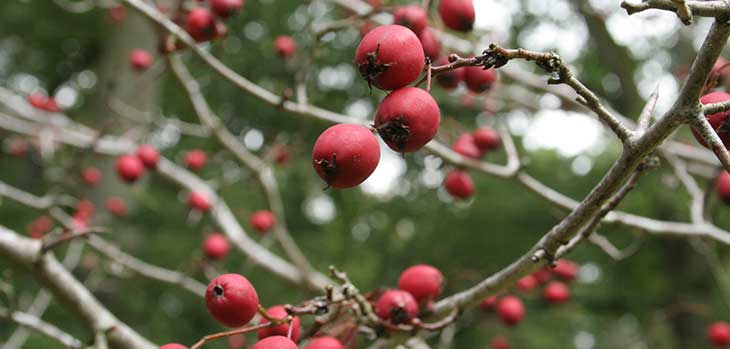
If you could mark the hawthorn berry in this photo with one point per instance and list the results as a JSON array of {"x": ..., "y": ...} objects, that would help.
[
  {"x": 556, "y": 292},
  {"x": 200, "y": 24},
  {"x": 37, "y": 100},
  {"x": 390, "y": 57},
  {"x": 511, "y": 310},
  {"x": 280, "y": 153},
  {"x": 430, "y": 43},
  {"x": 345, "y": 155},
  {"x": 195, "y": 159},
  {"x": 116, "y": 206},
  {"x": 149, "y": 155},
  {"x": 488, "y": 303},
  {"x": 722, "y": 186},
  {"x": 499, "y": 342},
  {"x": 324, "y": 342},
  {"x": 565, "y": 269},
  {"x": 486, "y": 138},
  {"x": 278, "y": 312},
  {"x": 275, "y": 342},
  {"x": 232, "y": 300},
  {"x": 407, "y": 119},
  {"x": 459, "y": 184},
  {"x": 365, "y": 28},
  {"x": 40, "y": 226},
  {"x": 285, "y": 46},
  {"x": 411, "y": 16},
  {"x": 226, "y": 8},
  {"x": 85, "y": 207},
  {"x": 719, "y": 333},
  {"x": 543, "y": 275},
  {"x": 236, "y": 341},
  {"x": 422, "y": 281},
  {"x": 140, "y": 59},
  {"x": 173, "y": 346},
  {"x": 449, "y": 79},
  {"x": 91, "y": 176},
  {"x": 527, "y": 283},
  {"x": 129, "y": 168},
  {"x": 397, "y": 306},
  {"x": 262, "y": 221},
  {"x": 457, "y": 14},
  {"x": 466, "y": 146},
  {"x": 199, "y": 201},
  {"x": 720, "y": 71},
  {"x": 718, "y": 121},
  {"x": 51, "y": 105},
  {"x": 479, "y": 80},
  {"x": 215, "y": 246},
  {"x": 117, "y": 13}
]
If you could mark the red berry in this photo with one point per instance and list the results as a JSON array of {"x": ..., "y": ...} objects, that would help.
[
  {"x": 556, "y": 292},
  {"x": 173, "y": 346},
  {"x": 195, "y": 159},
  {"x": 721, "y": 70},
  {"x": 407, "y": 119},
  {"x": 116, "y": 206},
  {"x": 40, "y": 226},
  {"x": 149, "y": 155},
  {"x": 479, "y": 80},
  {"x": 232, "y": 300},
  {"x": 466, "y": 146},
  {"x": 325, "y": 342},
  {"x": 140, "y": 59},
  {"x": 85, "y": 207},
  {"x": 37, "y": 100},
  {"x": 449, "y": 79},
  {"x": 262, "y": 221},
  {"x": 236, "y": 341},
  {"x": 17, "y": 147},
  {"x": 488, "y": 303},
  {"x": 718, "y": 121},
  {"x": 397, "y": 306},
  {"x": 511, "y": 310},
  {"x": 226, "y": 8},
  {"x": 499, "y": 342},
  {"x": 51, "y": 105},
  {"x": 719, "y": 333},
  {"x": 542, "y": 276},
  {"x": 566, "y": 270},
  {"x": 129, "y": 168},
  {"x": 722, "y": 186},
  {"x": 457, "y": 14},
  {"x": 430, "y": 43},
  {"x": 422, "y": 281},
  {"x": 365, "y": 28},
  {"x": 200, "y": 24},
  {"x": 390, "y": 57},
  {"x": 91, "y": 176},
  {"x": 278, "y": 312},
  {"x": 345, "y": 155},
  {"x": 285, "y": 46},
  {"x": 411, "y": 16},
  {"x": 486, "y": 138},
  {"x": 527, "y": 283},
  {"x": 199, "y": 201},
  {"x": 216, "y": 246},
  {"x": 117, "y": 13},
  {"x": 459, "y": 184},
  {"x": 275, "y": 342}
]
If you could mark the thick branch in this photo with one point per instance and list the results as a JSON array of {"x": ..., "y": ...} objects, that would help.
[{"x": 683, "y": 8}]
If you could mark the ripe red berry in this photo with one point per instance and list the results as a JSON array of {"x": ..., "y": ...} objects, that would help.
[
  {"x": 275, "y": 342},
  {"x": 457, "y": 14},
  {"x": 232, "y": 300},
  {"x": 285, "y": 46},
  {"x": 390, "y": 57},
  {"x": 718, "y": 121},
  {"x": 488, "y": 303},
  {"x": 116, "y": 206},
  {"x": 566, "y": 270},
  {"x": 195, "y": 159},
  {"x": 200, "y": 24},
  {"x": 173, "y": 346},
  {"x": 407, "y": 119},
  {"x": 215, "y": 246},
  {"x": 411, "y": 16},
  {"x": 499, "y": 342},
  {"x": 527, "y": 283},
  {"x": 466, "y": 146},
  {"x": 479, "y": 80},
  {"x": 511, "y": 310},
  {"x": 556, "y": 292},
  {"x": 722, "y": 186},
  {"x": 117, "y": 13},
  {"x": 430, "y": 43},
  {"x": 91, "y": 176},
  {"x": 40, "y": 226},
  {"x": 397, "y": 306},
  {"x": 720, "y": 71},
  {"x": 51, "y": 105},
  {"x": 486, "y": 138},
  {"x": 719, "y": 333},
  {"x": 236, "y": 341},
  {"x": 278, "y": 312},
  {"x": 262, "y": 221},
  {"x": 37, "y": 100},
  {"x": 345, "y": 155},
  {"x": 226, "y": 8},
  {"x": 543, "y": 275},
  {"x": 449, "y": 79},
  {"x": 324, "y": 342},
  {"x": 199, "y": 201},
  {"x": 459, "y": 184},
  {"x": 422, "y": 281},
  {"x": 140, "y": 59},
  {"x": 149, "y": 155},
  {"x": 129, "y": 168}
]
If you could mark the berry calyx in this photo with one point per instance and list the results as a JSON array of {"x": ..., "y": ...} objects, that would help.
[
  {"x": 397, "y": 306},
  {"x": 215, "y": 246},
  {"x": 285, "y": 46},
  {"x": 720, "y": 122},
  {"x": 407, "y": 119},
  {"x": 196, "y": 159},
  {"x": 430, "y": 43},
  {"x": 275, "y": 342},
  {"x": 458, "y": 183},
  {"x": 565, "y": 269},
  {"x": 116, "y": 206},
  {"x": 199, "y": 201},
  {"x": 479, "y": 80},
  {"x": 719, "y": 333},
  {"x": 149, "y": 155},
  {"x": 556, "y": 292},
  {"x": 232, "y": 300},
  {"x": 91, "y": 176},
  {"x": 345, "y": 155},
  {"x": 200, "y": 24},
  {"x": 324, "y": 342},
  {"x": 457, "y": 14},
  {"x": 486, "y": 138},
  {"x": 411, "y": 16},
  {"x": 390, "y": 57},
  {"x": 226, "y": 8},
  {"x": 422, "y": 281},
  {"x": 262, "y": 221},
  {"x": 278, "y": 312},
  {"x": 173, "y": 346},
  {"x": 511, "y": 310},
  {"x": 466, "y": 146},
  {"x": 140, "y": 59},
  {"x": 722, "y": 186},
  {"x": 129, "y": 168}
]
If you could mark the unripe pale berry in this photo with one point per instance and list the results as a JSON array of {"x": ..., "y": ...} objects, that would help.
[
  {"x": 479, "y": 80},
  {"x": 275, "y": 342},
  {"x": 422, "y": 281},
  {"x": 407, "y": 119},
  {"x": 345, "y": 155},
  {"x": 215, "y": 246},
  {"x": 499, "y": 342},
  {"x": 226, "y": 8},
  {"x": 449, "y": 79},
  {"x": 718, "y": 121},
  {"x": 199, "y": 201},
  {"x": 486, "y": 138},
  {"x": 719, "y": 333},
  {"x": 173, "y": 346},
  {"x": 116, "y": 206},
  {"x": 722, "y": 186},
  {"x": 556, "y": 292},
  {"x": 285, "y": 46},
  {"x": 262, "y": 221},
  {"x": 149, "y": 155},
  {"x": 411, "y": 16},
  {"x": 397, "y": 306},
  {"x": 278, "y": 312},
  {"x": 232, "y": 300},
  {"x": 459, "y": 184},
  {"x": 91, "y": 176},
  {"x": 200, "y": 24},
  {"x": 488, "y": 303},
  {"x": 511, "y": 310},
  {"x": 527, "y": 283},
  {"x": 129, "y": 168},
  {"x": 324, "y": 342},
  {"x": 457, "y": 14},
  {"x": 565, "y": 269},
  {"x": 390, "y": 57},
  {"x": 140, "y": 59},
  {"x": 466, "y": 146},
  {"x": 196, "y": 159},
  {"x": 430, "y": 43}
]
